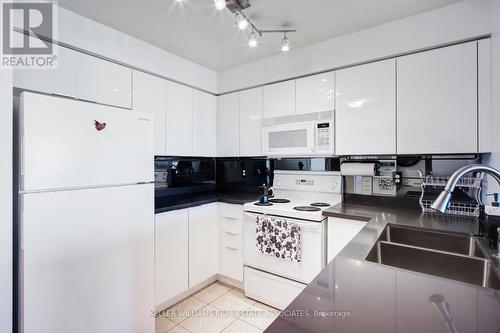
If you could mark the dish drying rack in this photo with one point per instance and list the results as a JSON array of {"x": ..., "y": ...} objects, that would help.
[{"x": 472, "y": 185}]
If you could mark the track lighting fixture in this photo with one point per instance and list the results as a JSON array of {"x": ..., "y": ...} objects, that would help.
[
  {"x": 252, "y": 42},
  {"x": 241, "y": 21},
  {"x": 220, "y": 4},
  {"x": 285, "y": 44}
]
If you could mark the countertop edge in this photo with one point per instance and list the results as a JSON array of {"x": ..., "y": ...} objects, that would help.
[
  {"x": 361, "y": 218},
  {"x": 185, "y": 205},
  {"x": 205, "y": 201}
]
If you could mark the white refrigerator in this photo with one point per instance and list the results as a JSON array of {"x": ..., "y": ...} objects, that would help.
[{"x": 86, "y": 217}]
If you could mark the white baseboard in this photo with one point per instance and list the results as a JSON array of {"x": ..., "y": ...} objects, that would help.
[
  {"x": 187, "y": 293},
  {"x": 229, "y": 281}
]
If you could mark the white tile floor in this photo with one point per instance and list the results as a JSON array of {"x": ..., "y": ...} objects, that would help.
[{"x": 216, "y": 308}]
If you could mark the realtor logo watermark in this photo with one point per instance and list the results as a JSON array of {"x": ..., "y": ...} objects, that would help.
[{"x": 26, "y": 31}]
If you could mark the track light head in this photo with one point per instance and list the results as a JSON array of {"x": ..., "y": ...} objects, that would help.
[
  {"x": 252, "y": 42},
  {"x": 220, "y": 4},
  {"x": 285, "y": 44},
  {"x": 241, "y": 21}
]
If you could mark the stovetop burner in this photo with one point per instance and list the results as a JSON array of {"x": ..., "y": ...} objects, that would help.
[
  {"x": 320, "y": 204},
  {"x": 279, "y": 200},
  {"x": 263, "y": 204},
  {"x": 307, "y": 208}
]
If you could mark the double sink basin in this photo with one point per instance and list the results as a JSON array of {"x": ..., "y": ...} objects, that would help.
[{"x": 448, "y": 255}]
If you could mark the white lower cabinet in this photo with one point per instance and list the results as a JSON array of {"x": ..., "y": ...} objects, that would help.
[
  {"x": 186, "y": 251},
  {"x": 202, "y": 243},
  {"x": 340, "y": 233},
  {"x": 171, "y": 254},
  {"x": 231, "y": 262},
  {"x": 231, "y": 241}
]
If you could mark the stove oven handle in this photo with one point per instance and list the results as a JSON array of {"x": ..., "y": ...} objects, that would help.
[{"x": 314, "y": 226}]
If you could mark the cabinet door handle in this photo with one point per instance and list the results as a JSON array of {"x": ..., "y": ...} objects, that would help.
[
  {"x": 231, "y": 233},
  {"x": 231, "y": 248}
]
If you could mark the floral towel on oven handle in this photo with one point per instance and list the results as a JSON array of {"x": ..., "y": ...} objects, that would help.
[{"x": 278, "y": 237}]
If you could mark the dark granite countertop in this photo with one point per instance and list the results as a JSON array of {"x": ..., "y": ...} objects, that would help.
[
  {"x": 169, "y": 203},
  {"x": 354, "y": 295}
]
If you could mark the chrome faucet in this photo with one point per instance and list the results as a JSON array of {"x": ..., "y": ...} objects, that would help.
[{"x": 442, "y": 201}]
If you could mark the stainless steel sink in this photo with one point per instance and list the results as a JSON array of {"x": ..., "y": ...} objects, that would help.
[
  {"x": 452, "y": 256},
  {"x": 449, "y": 242}
]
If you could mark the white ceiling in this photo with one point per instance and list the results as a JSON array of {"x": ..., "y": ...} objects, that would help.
[{"x": 194, "y": 30}]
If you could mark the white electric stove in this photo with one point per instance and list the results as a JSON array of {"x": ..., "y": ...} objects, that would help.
[
  {"x": 299, "y": 197},
  {"x": 301, "y": 194}
]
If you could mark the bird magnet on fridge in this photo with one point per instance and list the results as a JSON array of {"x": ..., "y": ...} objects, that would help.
[{"x": 99, "y": 126}]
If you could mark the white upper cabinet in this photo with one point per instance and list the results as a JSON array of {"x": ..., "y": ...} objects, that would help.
[
  {"x": 203, "y": 243},
  {"x": 315, "y": 93},
  {"x": 179, "y": 131},
  {"x": 279, "y": 99},
  {"x": 81, "y": 76},
  {"x": 60, "y": 81},
  {"x": 484, "y": 95},
  {"x": 204, "y": 124},
  {"x": 171, "y": 254},
  {"x": 228, "y": 129},
  {"x": 103, "y": 82},
  {"x": 251, "y": 114},
  {"x": 437, "y": 101},
  {"x": 366, "y": 109},
  {"x": 150, "y": 95}
]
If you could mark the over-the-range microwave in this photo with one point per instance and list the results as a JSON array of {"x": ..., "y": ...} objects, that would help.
[{"x": 309, "y": 138}]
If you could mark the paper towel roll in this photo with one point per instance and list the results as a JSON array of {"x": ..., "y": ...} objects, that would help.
[{"x": 357, "y": 169}]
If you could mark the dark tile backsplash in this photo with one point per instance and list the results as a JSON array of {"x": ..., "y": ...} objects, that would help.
[
  {"x": 178, "y": 172},
  {"x": 251, "y": 172},
  {"x": 181, "y": 176},
  {"x": 308, "y": 164}
]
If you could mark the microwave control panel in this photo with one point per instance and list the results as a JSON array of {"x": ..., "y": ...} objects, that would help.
[{"x": 324, "y": 137}]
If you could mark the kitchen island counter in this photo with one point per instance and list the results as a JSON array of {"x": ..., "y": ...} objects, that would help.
[{"x": 354, "y": 295}]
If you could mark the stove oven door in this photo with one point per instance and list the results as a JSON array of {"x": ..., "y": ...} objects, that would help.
[{"x": 313, "y": 238}]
